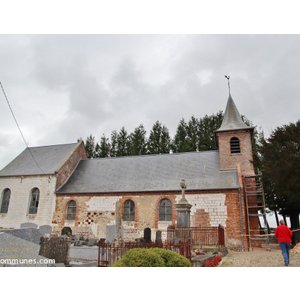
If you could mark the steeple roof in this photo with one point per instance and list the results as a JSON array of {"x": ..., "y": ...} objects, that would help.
[{"x": 232, "y": 119}]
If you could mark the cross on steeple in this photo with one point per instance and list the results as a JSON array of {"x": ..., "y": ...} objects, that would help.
[{"x": 228, "y": 77}]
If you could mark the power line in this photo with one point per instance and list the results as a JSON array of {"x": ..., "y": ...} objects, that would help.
[
  {"x": 13, "y": 114},
  {"x": 22, "y": 135}
]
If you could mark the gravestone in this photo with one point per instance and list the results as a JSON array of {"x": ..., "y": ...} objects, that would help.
[
  {"x": 110, "y": 233},
  {"x": 147, "y": 235},
  {"x": 76, "y": 240},
  {"x": 28, "y": 225},
  {"x": 158, "y": 237},
  {"x": 45, "y": 230}
]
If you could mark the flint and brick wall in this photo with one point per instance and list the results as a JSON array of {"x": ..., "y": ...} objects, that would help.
[{"x": 94, "y": 212}]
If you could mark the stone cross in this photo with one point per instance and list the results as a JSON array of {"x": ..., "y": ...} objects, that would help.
[{"x": 183, "y": 188}]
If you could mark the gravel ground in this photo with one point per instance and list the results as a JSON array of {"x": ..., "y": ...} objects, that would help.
[
  {"x": 83, "y": 252},
  {"x": 258, "y": 257}
]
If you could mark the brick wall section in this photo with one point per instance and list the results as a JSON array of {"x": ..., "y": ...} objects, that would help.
[
  {"x": 233, "y": 229},
  {"x": 245, "y": 158},
  {"x": 201, "y": 218},
  {"x": 69, "y": 166}
]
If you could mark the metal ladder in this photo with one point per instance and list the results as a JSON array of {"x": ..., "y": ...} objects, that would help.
[{"x": 255, "y": 208}]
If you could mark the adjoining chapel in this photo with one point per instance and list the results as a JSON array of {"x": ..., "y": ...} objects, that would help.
[{"x": 94, "y": 197}]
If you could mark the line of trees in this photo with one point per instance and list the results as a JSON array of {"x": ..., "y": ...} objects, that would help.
[{"x": 193, "y": 135}]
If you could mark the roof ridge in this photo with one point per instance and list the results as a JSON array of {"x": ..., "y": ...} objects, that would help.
[
  {"x": 149, "y": 155},
  {"x": 65, "y": 144}
]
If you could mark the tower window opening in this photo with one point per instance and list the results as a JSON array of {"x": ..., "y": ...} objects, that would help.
[{"x": 235, "y": 145}]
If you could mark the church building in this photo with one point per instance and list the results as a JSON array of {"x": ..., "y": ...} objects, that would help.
[{"x": 124, "y": 196}]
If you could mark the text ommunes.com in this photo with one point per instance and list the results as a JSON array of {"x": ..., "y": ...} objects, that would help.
[{"x": 27, "y": 261}]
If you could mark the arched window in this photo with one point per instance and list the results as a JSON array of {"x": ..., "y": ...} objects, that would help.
[
  {"x": 235, "y": 145},
  {"x": 34, "y": 201},
  {"x": 165, "y": 210},
  {"x": 71, "y": 210},
  {"x": 5, "y": 201},
  {"x": 128, "y": 210}
]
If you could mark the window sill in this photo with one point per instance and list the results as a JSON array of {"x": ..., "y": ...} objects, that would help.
[
  {"x": 31, "y": 216},
  {"x": 69, "y": 223},
  {"x": 165, "y": 222},
  {"x": 128, "y": 223}
]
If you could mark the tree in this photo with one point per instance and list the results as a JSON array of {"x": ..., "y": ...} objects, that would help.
[
  {"x": 206, "y": 132},
  {"x": 122, "y": 142},
  {"x": 281, "y": 170},
  {"x": 181, "y": 142},
  {"x": 138, "y": 141},
  {"x": 193, "y": 133},
  {"x": 165, "y": 145},
  {"x": 113, "y": 143},
  {"x": 197, "y": 134},
  {"x": 159, "y": 139},
  {"x": 89, "y": 145},
  {"x": 103, "y": 149}
]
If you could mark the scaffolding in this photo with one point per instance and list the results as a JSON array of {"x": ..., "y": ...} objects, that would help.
[{"x": 255, "y": 208}]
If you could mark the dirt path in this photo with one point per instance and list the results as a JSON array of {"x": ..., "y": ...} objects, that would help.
[{"x": 258, "y": 257}]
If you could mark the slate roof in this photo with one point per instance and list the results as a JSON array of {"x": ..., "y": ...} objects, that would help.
[
  {"x": 150, "y": 173},
  {"x": 48, "y": 158},
  {"x": 232, "y": 119}
]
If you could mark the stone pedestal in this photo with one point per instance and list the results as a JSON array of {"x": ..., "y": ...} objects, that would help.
[{"x": 183, "y": 211}]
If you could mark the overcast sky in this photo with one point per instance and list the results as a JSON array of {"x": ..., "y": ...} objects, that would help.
[{"x": 63, "y": 87}]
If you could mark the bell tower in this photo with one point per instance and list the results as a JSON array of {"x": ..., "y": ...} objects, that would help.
[{"x": 234, "y": 139}]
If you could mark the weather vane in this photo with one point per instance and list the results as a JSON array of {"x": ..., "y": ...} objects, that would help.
[{"x": 228, "y": 77}]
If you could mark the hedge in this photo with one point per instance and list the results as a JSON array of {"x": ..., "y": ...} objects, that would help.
[{"x": 152, "y": 257}]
